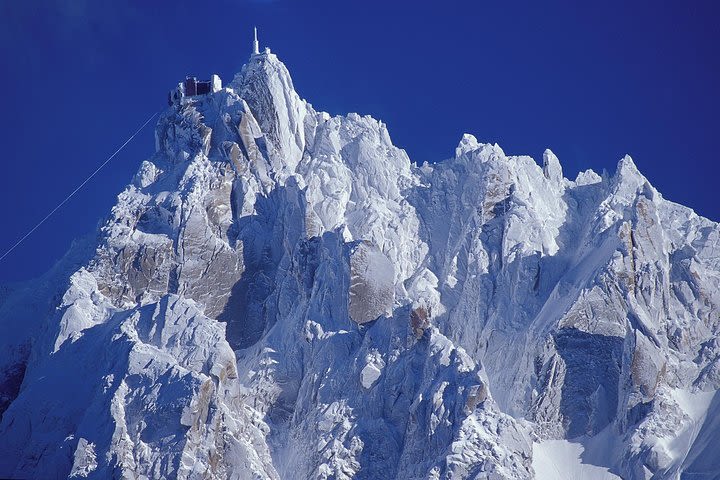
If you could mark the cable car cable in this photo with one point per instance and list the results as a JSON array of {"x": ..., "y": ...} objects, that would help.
[{"x": 77, "y": 188}]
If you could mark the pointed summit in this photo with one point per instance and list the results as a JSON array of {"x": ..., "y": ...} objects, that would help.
[
  {"x": 552, "y": 170},
  {"x": 265, "y": 84}
]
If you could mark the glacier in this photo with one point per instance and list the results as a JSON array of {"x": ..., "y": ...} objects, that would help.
[{"x": 281, "y": 293}]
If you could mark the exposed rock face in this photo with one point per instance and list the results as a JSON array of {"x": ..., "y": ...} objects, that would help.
[
  {"x": 282, "y": 294},
  {"x": 419, "y": 320},
  {"x": 372, "y": 286}
]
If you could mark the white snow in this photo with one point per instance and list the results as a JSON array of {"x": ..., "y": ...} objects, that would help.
[
  {"x": 85, "y": 460},
  {"x": 695, "y": 404},
  {"x": 562, "y": 459},
  {"x": 370, "y": 373}
]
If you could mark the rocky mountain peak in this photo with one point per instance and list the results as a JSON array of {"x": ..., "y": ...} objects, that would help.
[{"x": 282, "y": 293}]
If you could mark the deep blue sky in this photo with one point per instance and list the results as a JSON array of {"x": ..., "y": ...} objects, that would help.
[{"x": 592, "y": 82}]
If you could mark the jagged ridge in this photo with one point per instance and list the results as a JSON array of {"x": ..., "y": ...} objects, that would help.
[{"x": 281, "y": 293}]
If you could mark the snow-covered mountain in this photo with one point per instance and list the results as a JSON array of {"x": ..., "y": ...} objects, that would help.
[{"x": 280, "y": 293}]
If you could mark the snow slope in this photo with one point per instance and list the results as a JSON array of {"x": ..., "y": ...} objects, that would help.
[
  {"x": 553, "y": 459},
  {"x": 281, "y": 293}
]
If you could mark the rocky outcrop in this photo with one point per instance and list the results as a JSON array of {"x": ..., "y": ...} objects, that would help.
[{"x": 372, "y": 289}]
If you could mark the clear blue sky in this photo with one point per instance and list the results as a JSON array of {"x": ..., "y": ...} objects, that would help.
[{"x": 591, "y": 82}]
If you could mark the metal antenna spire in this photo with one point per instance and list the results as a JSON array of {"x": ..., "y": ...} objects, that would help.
[{"x": 256, "y": 45}]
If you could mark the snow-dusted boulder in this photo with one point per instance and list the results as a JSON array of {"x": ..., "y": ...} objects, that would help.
[{"x": 372, "y": 288}]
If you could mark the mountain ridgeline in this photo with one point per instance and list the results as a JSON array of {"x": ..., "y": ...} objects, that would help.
[{"x": 281, "y": 293}]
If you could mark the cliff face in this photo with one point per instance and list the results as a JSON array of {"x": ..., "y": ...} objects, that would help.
[{"x": 282, "y": 294}]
